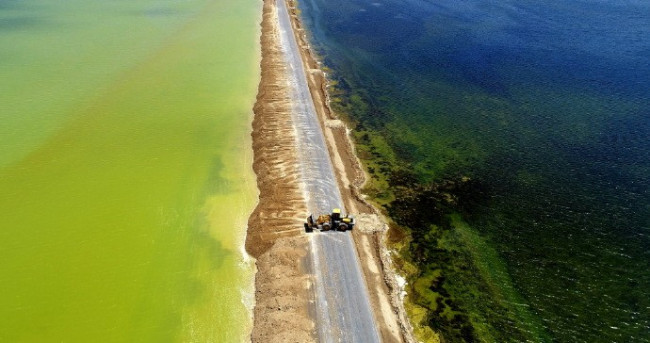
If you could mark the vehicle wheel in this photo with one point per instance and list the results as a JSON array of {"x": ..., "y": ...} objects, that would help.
[{"x": 343, "y": 227}]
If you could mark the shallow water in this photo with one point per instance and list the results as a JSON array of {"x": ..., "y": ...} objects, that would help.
[
  {"x": 546, "y": 106},
  {"x": 125, "y": 178}
]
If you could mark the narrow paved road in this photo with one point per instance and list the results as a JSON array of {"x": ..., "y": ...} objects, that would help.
[{"x": 342, "y": 303}]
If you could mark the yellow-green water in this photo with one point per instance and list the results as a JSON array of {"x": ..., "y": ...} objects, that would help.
[{"x": 125, "y": 178}]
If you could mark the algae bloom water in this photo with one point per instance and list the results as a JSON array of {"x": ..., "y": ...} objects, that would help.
[{"x": 125, "y": 178}]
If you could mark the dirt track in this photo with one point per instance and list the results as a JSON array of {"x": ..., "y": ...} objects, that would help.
[{"x": 284, "y": 296}]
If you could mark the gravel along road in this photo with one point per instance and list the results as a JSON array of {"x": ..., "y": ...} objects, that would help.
[{"x": 343, "y": 312}]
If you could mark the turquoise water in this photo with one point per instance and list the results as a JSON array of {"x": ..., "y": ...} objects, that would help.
[
  {"x": 545, "y": 107},
  {"x": 125, "y": 170}
]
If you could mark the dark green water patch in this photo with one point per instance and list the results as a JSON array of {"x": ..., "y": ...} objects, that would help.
[{"x": 17, "y": 23}]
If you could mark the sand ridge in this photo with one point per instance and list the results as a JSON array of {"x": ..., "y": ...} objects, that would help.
[{"x": 282, "y": 286}]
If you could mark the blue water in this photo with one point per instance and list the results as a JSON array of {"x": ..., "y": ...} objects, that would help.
[{"x": 547, "y": 104}]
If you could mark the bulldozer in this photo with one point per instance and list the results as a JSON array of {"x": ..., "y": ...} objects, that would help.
[{"x": 327, "y": 222}]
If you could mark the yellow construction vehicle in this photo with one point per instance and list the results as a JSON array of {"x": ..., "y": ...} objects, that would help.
[{"x": 326, "y": 222}]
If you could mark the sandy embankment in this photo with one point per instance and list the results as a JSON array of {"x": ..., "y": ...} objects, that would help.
[{"x": 275, "y": 236}]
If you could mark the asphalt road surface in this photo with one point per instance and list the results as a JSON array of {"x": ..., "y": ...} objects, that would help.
[{"x": 342, "y": 305}]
